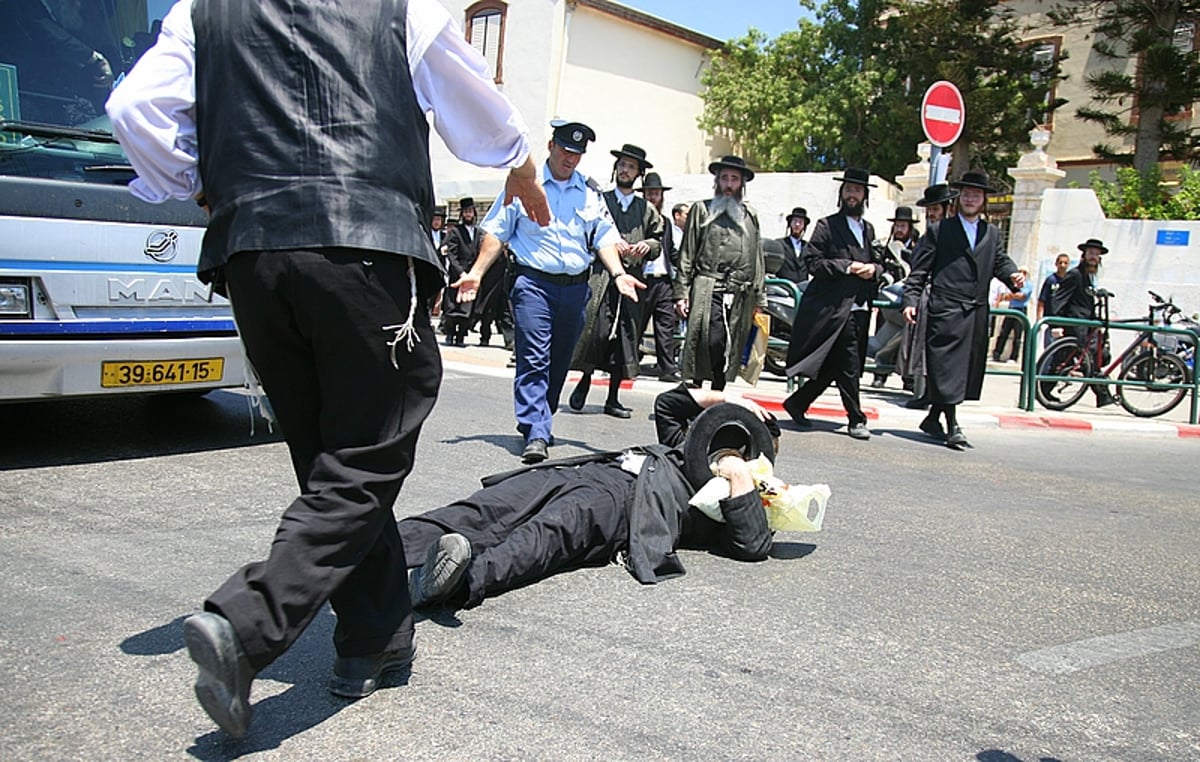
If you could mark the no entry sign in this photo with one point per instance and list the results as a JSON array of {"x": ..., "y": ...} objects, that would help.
[{"x": 943, "y": 114}]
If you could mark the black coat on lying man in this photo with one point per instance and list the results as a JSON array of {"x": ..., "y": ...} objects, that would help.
[{"x": 529, "y": 524}]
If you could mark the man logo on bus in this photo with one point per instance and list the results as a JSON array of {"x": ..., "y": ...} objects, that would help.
[{"x": 161, "y": 245}]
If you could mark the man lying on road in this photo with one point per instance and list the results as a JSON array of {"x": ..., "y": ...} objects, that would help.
[{"x": 529, "y": 524}]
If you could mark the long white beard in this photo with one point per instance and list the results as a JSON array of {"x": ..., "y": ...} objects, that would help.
[{"x": 731, "y": 207}]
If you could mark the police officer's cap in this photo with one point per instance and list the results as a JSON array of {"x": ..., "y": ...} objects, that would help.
[{"x": 572, "y": 136}]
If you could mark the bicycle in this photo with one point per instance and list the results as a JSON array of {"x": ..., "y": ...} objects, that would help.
[{"x": 1073, "y": 363}]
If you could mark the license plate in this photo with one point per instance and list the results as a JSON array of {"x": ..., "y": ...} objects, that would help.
[{"x": 160, "y": 372}]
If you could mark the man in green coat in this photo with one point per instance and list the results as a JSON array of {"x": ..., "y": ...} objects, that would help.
[{"x": 719, "y": 286}]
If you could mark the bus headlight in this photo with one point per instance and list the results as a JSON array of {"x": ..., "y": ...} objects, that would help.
[{"x": 14, "y": 299}]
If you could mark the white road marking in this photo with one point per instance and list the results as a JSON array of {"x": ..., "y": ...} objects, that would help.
[{"x": 1106, "y": 649}]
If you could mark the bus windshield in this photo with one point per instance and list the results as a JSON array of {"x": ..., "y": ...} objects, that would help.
[{"x": 59, "y": 59}]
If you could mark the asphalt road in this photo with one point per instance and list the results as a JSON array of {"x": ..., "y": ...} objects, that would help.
[{"x": 1034, "y": 598}]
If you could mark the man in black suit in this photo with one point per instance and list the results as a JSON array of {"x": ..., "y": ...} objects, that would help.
[
  {"x": 461, "y": 244},
  {"x": 792, "y": 245},
  {"x": 829, "y": 335},
  {"x": 1075, "y": 297},
  {"x": 957, "y": 257}
]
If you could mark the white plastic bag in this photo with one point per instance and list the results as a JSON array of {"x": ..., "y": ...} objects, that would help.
[{"x": 790, "y": 508}]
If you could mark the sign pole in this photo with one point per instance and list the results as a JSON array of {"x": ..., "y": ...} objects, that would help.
[{"x": 934, "y": 154}]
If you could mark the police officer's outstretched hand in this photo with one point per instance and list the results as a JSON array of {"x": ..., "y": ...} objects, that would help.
[
  {"x": 629, "y": 285},
  {"x": 467, "y": 285},
  {"x": 523, "y": 183}
]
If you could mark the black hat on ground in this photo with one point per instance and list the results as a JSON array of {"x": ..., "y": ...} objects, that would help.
[
  {"x": 856, "y": 175},
  {"x": 938, "y": 194},
  {"x": 800, "y": 212},
  {"x": 975, "y": 178},
  {"x": 630, "y": 151},
  {"x": 466, "y": 202},
  {"x": 903, "y": 214},
  {"x": 724, "y": 426},
  {"x": 572, "y": 136},
  {"x": 1095, "y": 243},
  {"x": 653, "y": 182},
  {"x": 732, "y": 162}
]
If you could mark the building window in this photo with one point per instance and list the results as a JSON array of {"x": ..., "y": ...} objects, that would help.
[{"x": 485, "y": 32}]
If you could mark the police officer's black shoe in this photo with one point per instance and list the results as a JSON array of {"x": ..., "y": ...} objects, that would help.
[
  {"x": 535, "y": 451},
  {"x": 359, "y": 676}
]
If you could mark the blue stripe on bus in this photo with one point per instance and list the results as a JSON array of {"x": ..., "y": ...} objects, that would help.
[
  {"x": 36, "y": 264},
  {"x": 157, "y": 327}
]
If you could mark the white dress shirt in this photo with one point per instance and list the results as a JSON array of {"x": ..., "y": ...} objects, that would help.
[{"x": 153, "y": 109}]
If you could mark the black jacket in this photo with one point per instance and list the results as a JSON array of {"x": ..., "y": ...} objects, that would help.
[{"x": 1075, "y": 296}]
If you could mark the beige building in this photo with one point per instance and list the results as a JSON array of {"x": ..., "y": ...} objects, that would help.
[
  {"x": 1074, "y": 138},
  {"x": 632, "y": 77}
]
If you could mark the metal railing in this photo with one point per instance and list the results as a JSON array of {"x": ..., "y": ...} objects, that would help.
[{"x": 1032, "y": 377}]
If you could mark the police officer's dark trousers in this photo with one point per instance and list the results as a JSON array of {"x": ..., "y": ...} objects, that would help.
[{"x": 317, "y": 326}]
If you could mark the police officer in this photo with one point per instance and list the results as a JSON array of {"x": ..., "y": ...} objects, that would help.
[{"x": 550, "y": 289}]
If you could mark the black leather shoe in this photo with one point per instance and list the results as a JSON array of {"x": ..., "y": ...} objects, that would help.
[
  {"x": 957, "y": 440},
  {"x": 223, "y": 683},
  {"x": 796, "y": 414},
  {"x": 1106, "y": 400},
  {"x": 878, "y": 382},
  {"x": 670, "y": 378},
  {"x": 535, "y": 451},
  {"x": 579, "y": 395},
  {"x": 359, "y": 676},
  {"x": 443, "y": 571},
  {"x": 617, "y": 411},
  {"x": 917, "y": 403},
  {"x": 859, "y": 431},
  {"x": 933, "y": 427}
]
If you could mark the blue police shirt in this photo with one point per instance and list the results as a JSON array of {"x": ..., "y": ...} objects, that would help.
[{"x": 561, "y": 248}]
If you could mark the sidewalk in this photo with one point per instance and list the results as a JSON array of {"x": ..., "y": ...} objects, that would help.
[{"x": 884, "y": 408}]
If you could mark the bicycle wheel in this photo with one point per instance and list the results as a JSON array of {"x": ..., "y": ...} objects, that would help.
[
  {"x": 1065, "y": 357},
  {"x": 1149, "y": 398}
]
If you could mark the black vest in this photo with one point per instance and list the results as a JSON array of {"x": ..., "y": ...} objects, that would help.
[{"x": 309, "y": 131}]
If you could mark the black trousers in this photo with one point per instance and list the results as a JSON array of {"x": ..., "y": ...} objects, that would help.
[
  {"x": 658, "y": 302},
  {"x": 1010, "y": 327},
  {"x": 718, "y": 338},
  {"x": 843, "y": 367},
  {"x": 317, "y": 326},
  {"x": 531, "y": 526}
]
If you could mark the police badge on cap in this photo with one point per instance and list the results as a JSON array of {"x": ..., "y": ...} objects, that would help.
[{"x": 572, "y": 136}]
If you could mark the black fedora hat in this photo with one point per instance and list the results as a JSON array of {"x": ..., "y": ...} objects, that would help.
[
  {"x": 638, "y": 154},
  {"x": 800, "y": 212},
  {"x": 938, "y": 194},
  {"x": 732, "y": 162},
  {"x": 466, "y": 202},
  {"x": 856, "y": 175},
  {"x": 572, "y": 136},
  {"x": 653, "y": 182},
  {"x": 723, "y": 426},
  {"x": 903, "y": 214},
  {"x": 975, "y": 178},
  {"x": 1094, "y": 243},
  {"x": 439, "y": 211}
]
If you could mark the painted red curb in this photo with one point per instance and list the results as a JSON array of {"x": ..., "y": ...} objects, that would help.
[
  {"x": 1067, "y": 423},
  {"x": 821, "y": 411},
  {"x": 1188, "y": 430}
]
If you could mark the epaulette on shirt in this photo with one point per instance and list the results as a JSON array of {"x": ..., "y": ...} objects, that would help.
[{"x": 591, "y": 183}]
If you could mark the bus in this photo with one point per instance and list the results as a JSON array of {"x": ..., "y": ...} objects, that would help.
[{"x": 98, "y": 290}]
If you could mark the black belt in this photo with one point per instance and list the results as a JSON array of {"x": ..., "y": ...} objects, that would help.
[{"x": 558, "y": 279}]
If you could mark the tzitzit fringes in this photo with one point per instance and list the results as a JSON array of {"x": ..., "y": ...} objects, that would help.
[{"x": 406, "y": 331}]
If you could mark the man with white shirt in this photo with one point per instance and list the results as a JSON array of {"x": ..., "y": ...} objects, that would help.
[
  {"x": 318, "y": 182},
  {"x": 658, "y": 303},
  {"x": 610, "y": 338},
  {"x": 829, "y": 335},
  {"x": 957, "y": 258}
]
